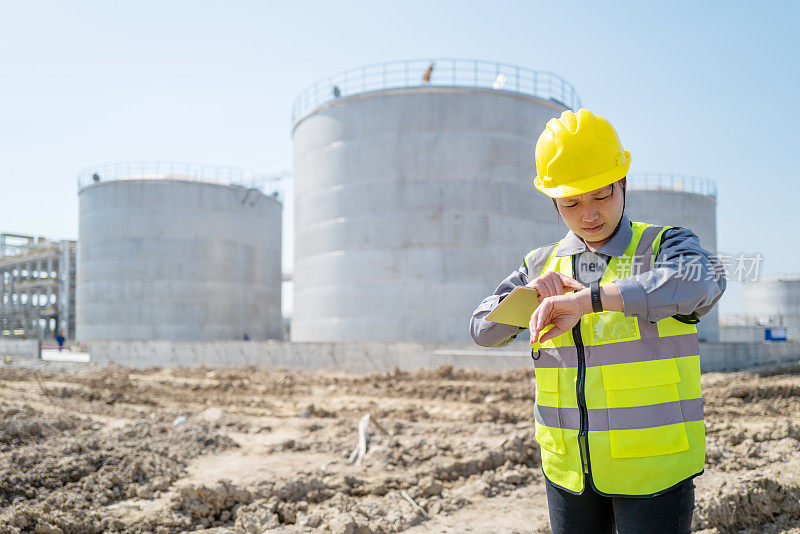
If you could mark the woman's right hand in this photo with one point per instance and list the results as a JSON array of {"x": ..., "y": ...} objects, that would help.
[{"x": 552, "y": 283}]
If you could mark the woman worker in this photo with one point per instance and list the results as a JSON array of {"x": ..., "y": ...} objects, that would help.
[{"x": 618, "y": 413}]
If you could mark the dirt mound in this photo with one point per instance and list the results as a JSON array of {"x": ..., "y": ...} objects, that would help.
[
  {"x": 69, "y": 478},
  {"x": 750, "y": 500},
  {"x": 252, "y": 450},
  {"x": 21, "y": 424}
]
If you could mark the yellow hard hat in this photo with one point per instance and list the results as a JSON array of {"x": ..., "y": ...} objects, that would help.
[{"x": 578, "y": 153}]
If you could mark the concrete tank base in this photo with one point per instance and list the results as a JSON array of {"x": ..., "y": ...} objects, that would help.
[{"x": 382, "y": 357}]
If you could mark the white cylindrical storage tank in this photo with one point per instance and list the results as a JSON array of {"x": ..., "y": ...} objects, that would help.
[
  {"x": 678, "y": 200},
  {"x": 414, "y": 199},
  {"x": 775, "y": 300},
  {"x": 177, "y": 252}
]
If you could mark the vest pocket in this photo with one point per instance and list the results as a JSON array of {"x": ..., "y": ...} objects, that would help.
[
  {"x": 644, "y": 409},
  {"x": 548, "y": 437},
  {"x": 612, "y": 327},
  {"x": 656, "y": 441}
]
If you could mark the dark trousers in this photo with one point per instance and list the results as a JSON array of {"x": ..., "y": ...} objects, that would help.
[{"x": 668, "y": 513}]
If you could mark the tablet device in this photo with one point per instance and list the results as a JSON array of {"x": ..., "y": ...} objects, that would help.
[{"x": 516, "y": 308}]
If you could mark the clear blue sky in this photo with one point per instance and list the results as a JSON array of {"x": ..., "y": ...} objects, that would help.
[{"x": 704, "y": 88}]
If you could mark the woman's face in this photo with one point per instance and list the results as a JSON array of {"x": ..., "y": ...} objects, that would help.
[{"x": 593, "y": 215}]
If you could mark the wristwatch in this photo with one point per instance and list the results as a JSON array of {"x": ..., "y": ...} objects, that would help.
[{"x": 594, "y": 290}]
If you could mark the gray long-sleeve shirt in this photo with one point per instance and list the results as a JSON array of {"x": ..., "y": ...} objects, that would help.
[{"x": 686, "y": 280}]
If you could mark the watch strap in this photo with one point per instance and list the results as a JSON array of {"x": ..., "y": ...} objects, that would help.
[{"x": 594, "y": 291}]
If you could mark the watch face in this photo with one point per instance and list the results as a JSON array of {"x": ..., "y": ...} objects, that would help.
[{"x": 590, "y": 267}]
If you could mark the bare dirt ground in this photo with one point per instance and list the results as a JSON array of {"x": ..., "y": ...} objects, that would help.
[{"x": 92, "y": 449}]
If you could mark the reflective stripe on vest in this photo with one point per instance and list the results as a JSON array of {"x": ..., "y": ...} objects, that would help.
[
  {"x": 665, "y": 413},
  {"x": 644, "y": 426}
]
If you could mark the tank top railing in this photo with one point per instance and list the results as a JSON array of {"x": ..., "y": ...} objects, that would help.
[
  {"x": 180, "y": 170},
  {"x": 440, "y": 72},
  {"x": 653, "y": 181}
]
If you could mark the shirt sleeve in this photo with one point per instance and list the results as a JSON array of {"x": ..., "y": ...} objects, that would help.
[
  {"x": 685, "y": 280},
  {"x": 491, "y": 334}
]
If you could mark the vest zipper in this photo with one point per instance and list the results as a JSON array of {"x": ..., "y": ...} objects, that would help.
[
  {"x": 580, "y": 386},
  {"x": 583, "y": 430}
]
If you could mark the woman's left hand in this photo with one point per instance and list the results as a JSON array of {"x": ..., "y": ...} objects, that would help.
[{"x": 561, "y": 311}]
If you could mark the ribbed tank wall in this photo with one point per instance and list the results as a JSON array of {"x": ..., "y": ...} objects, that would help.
[
  {"x": 411, "y": 206},
  {"x": 178, "y": 260},
  {"x": 775, "y": 301},
  {"x": 693, "y": 211}
]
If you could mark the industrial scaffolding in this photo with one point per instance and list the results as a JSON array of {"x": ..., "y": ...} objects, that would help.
[{"x": 37, "y": 287}]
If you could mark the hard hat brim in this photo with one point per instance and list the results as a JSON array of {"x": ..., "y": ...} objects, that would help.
[{"x": 587, "y": 184}]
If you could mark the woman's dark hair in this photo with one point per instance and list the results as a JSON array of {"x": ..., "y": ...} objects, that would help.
[{"x": 622, "y": 182}]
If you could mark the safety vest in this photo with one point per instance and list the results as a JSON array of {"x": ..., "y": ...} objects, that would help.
[{"x": 619, "y": 397}]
